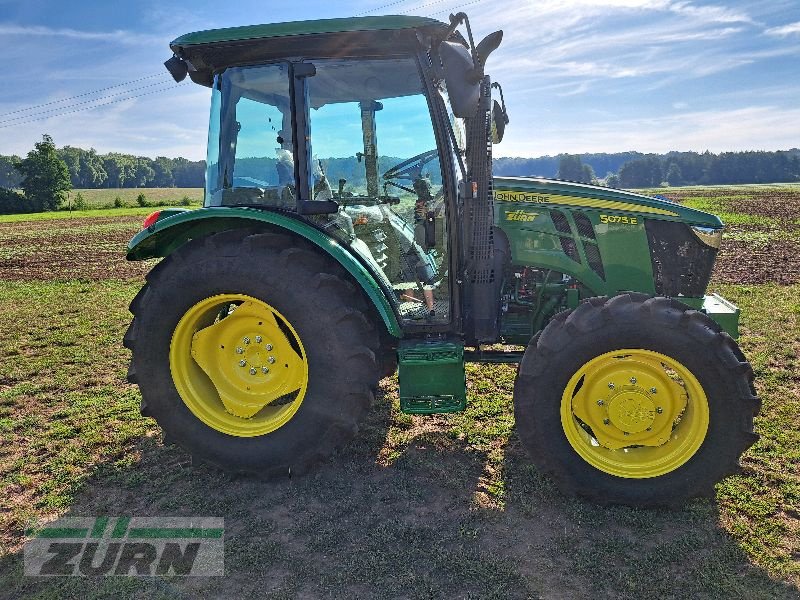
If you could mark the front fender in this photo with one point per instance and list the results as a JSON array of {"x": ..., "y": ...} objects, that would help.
[{"x": 176, "y": 227}]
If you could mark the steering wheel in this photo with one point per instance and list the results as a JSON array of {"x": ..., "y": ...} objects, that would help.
[{"x": 411, "y": 169}]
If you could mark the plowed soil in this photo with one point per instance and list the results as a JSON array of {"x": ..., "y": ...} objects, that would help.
[{"x": 60, "y": 249}]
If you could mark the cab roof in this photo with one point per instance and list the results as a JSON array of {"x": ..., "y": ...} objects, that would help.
[
  {"x": 214, "y": 50},
  {"x": 295, "y": 28}
]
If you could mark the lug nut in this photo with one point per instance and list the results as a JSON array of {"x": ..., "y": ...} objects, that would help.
[
  {"x": 239, "y": 350},
  {"x": 625, "y": 433},
  {"x": 265, "y": 370},
  {"x": 611, "y": 386},
  {"x": 659, "y": 410},
  {"x": 246, "y": 340},
  {"x": 242, "y": 363},
  {"x": 606, "y": 421},
  {"x": 633, "y": 379},
  {"x": 653, "y": 390},
  {"x": 269, "y": 347},
  {"x": 271, "y": 360},
  {"x": 600, "y": 403},
  {"x": 252, "y": 371},
  {"x": 258, "y": 339}
]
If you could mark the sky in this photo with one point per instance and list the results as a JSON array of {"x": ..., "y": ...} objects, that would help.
[{"x": 578, "y": 75}]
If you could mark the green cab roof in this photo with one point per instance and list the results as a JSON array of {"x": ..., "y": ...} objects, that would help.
[{"x": 295, "y": 28}]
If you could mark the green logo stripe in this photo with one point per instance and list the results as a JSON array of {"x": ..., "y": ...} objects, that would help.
[
  {"x": 174, "y": 532},
  {"x": 121, "y": 527},
  {"x": 99, "y": 526}
]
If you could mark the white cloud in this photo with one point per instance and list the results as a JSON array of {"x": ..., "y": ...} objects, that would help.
[
  {"x": 116, "y": 37},
  {"x": 710, "y": 14},
  {"x": 784, "y": 30}
]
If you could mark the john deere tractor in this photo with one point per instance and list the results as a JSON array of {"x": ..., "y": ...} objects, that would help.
[{"x": 352, "y": 227}]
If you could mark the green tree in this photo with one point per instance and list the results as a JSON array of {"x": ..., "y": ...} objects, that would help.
[
  {"x": 10, "y": 178},
  {"x": 143, "y": 173},
  {"x": 570, "y": 168},
  {"x": 12, "y": 202},
  {"x": 121, "y": 169},
  {"x": 45, "y": 176},
  {"x": 162, "y": 166},
  {"x": 674, "y": 175},
  {"x": 612, "y": 180},
  {"x": 587, "y": 174},
  {"x": 92, "y": 172}
]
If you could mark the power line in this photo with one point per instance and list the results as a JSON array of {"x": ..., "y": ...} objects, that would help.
[
  {"x": 93, "y": 100},
  {"x": 68, "y": 98},
  {"x": 405, "y": 12},
  {"x": 460, "y": 6},
  {"x": 366, "y": 12},
  {"x": 77, "y": 110}
]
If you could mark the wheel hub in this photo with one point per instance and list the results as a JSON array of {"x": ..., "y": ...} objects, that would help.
[
  {"x": 248, "y": 359},
  {"x": 636, "y": 402},
  {"x": 632, "y": 412}
]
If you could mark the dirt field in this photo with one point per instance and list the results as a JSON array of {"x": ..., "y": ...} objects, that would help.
[{"x": 415, "y": 507}]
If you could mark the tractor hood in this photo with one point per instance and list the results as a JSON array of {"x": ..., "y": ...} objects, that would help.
[{"x": 570, "y": 194}]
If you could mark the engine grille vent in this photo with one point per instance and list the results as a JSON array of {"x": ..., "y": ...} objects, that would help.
[
  {"x": 593, "y": 256},
  {"x": 584, "y": 225},
  {"x": 570, "y": 249},
  {"x": 560, "y": 221}
]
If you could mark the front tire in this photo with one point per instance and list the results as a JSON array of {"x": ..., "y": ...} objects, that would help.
[
  {"x": 253, "y": 352},
  {"x": 635, "y": 400}
]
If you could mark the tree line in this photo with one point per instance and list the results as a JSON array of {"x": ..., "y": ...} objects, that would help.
[
  {"x": 88, "y": 169},
  {"x": 48, "y": 172},
  {"x": 636, "y": 170}
]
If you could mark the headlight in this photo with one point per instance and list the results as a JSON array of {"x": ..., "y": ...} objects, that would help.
[{"x": 708, "y": 235}]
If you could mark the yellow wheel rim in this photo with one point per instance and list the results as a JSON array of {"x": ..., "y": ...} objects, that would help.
[
  {"x": 634, "y": 413},
  {"x": 238, "y": 365}
]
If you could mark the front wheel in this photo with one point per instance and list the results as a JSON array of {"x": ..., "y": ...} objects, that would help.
[{"x": 635, "y": 400}]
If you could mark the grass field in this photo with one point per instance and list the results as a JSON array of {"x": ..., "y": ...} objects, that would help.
[
  {"x": 104, "y": 198},
  {"x": 415, "y": 507}
]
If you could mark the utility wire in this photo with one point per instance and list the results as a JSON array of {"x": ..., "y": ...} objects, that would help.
[
  {"x": 69, "y": 98},
  {"x": 77, "y": 110},
  {"x": 372, "y": 10},
  {"x": 93, "y": 100},
  {"x": 405, "y": 12},
  {"x": 459, "y": 7}
]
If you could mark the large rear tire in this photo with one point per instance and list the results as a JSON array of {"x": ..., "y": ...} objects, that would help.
[
  {"x": 635, "y": 400},
  {"x": 253, "y": 352}
]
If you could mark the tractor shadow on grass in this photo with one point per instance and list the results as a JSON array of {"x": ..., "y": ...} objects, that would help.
[{"x": 417, "y": 522}]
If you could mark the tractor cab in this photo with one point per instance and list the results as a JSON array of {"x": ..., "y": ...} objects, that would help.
[{"x": 348, "y": 124}]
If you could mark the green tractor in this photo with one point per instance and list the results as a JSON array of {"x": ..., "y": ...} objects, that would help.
[{"x": 352, "y": 227}]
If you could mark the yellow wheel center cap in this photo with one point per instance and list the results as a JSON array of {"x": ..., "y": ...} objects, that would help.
[
  {"x": 248, "y": 359},
  {"x": 632, "y": 412}
]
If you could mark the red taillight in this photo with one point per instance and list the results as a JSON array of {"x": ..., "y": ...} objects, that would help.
[{"x": 151, "y": 218}]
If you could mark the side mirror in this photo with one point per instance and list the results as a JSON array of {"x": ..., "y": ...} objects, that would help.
[
  {"x": 177, "y": 67},
  {"x": 498, "y": 123},
  {"x": 464, "y": 93}
]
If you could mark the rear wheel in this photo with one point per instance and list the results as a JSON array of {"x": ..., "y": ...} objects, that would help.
[
  {"x": 635, "y": 400},
  {"x": 253, "y": 352}
]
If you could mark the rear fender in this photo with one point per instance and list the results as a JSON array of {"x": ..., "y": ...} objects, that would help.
[{"x": 176, "y": 227}]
